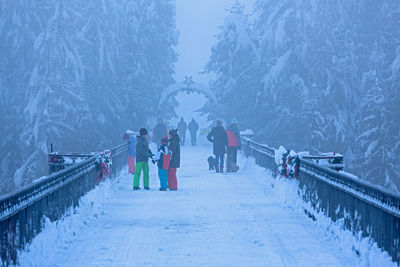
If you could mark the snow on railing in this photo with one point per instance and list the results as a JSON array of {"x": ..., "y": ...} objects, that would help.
[
  {"x": 22, "y": 211},
  {"x": 367, "y": 208},
  {"x": 12, "y": 203},
  {"x": 59, "y": 161},
  {"x": 373, "y": 194}
]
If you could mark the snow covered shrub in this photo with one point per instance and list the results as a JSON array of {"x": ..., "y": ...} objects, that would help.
[{"x": 104, "y": 164}]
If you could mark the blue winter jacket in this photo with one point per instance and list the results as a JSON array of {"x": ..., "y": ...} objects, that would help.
[{"x": 132, "y": 147}]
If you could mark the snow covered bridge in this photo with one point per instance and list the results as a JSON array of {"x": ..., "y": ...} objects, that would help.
[
  {"x": 244, "y": 219},
  {"x": 213, "y": 220}
]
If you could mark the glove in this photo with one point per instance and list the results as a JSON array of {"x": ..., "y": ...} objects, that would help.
[{"x": 154, "y": 162}]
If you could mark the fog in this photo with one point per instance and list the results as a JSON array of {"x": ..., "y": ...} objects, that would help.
[
  {"x": 197, "y": 23},
  {"x": 314, "y": 76}
]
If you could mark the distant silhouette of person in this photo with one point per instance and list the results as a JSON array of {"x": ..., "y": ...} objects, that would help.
[
  {"x": 193, "y": 128},
  {"x": 182, "y": 127},
  {"x": 159, "y": 132}
]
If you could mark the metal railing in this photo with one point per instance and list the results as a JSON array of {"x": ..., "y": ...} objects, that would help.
[
  {"x": 364, "y": 207},
  {"x": 22, "y": 212},
  {"x": 60, "y": 161}
]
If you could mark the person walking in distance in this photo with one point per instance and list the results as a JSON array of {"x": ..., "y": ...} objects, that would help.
[
  {"x": 218, "y": 137},
  {"x": 193, "y": 128},
  {"x": 234, "y": 141},
  {"x": 143, "y": 153},
  {"x": 175, "y": 162},
  {"x": 182, "y": 127},
  {"x": 160, "y": 130}
]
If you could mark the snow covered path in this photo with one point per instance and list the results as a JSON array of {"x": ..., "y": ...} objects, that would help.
[{"x": 213, "y": 220}]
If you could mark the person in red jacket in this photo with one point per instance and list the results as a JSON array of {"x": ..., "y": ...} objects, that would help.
[
  {"x": 234, "y": 142},
  {"x": 175, "y": 148}
]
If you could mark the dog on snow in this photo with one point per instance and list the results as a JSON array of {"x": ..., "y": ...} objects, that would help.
[{"x": 211, "y": 163}]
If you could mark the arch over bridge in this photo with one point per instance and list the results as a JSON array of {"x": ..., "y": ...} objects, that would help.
[{"x": 188, "y": 85}]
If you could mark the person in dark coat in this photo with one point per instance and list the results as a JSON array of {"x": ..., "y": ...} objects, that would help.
[
  {"x": 182, "y": 127},
  {"x": 160, "y": 130},
  {"x": 143, "y": 153},
  {"x": 175, "y": 162},
  {"x": 218, "y": 137},
  {"x": 193, "y": 127},
  {"x": 234, "y": 142}
]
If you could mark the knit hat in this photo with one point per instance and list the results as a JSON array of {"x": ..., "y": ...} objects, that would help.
[
  {"x": 143, "y": 131},
  {"x": 165, "y": 140},
  {"x": 173, "y": 132}
]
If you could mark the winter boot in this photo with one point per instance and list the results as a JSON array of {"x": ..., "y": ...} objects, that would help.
[
  {"x": 163, "y": 189},
  {"x": 221, "y": 169},
  {"x": 146, "y": 188},
  {"x": 216, "y": 168},
  {"x": 136, "y": 188}
]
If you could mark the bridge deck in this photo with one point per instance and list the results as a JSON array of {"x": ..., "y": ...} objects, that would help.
[{"x": 213, "y": 220}]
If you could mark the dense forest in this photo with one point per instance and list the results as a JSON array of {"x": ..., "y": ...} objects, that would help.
[
  {"x": 77, "y": 74},
  {"x": 316, "y": 76}
]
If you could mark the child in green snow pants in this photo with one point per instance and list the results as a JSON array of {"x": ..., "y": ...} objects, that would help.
[{"x": 144, "y": 165}]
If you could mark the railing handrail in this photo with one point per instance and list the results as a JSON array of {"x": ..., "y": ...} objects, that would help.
[
  {"x": 259, "y": 146},
  {"x": 73, "y": 154},
  {"x": 363, "y": 190},
  {"x": 343, "y": 178},
  {"x": 323, "y": 157},
  {"x": 352, "y": 178},
  {"x": 30, "y": 193},
  {"x": 362, "y": 207},
  {"x": 22, "y": 211}
]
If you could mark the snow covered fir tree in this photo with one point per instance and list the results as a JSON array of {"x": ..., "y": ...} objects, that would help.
[
  {"x": 74, "y": 73},
  {"x": 316, "y": 76}
]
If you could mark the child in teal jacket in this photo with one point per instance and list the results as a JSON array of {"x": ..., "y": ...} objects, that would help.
[{"x": 163, "y": 158}]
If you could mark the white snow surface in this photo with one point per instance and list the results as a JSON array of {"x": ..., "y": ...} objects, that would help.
[{"x": 242, "y": 219}]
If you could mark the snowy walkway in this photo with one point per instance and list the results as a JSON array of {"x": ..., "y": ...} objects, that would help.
[{"x": 213, "y": 220}]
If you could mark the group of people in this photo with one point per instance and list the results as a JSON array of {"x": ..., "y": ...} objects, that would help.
[
  {"x": 225, "y": 141},
  {"x": 168, "y": 153},
  {"x": 167, "y": 159},
  {"x": 160, "y": 130}
]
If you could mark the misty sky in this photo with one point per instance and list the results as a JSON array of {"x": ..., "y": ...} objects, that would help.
[{"x": 197, "y": 22}]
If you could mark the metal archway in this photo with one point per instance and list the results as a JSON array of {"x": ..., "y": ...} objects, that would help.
[{"x": 187, "y": 86}]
